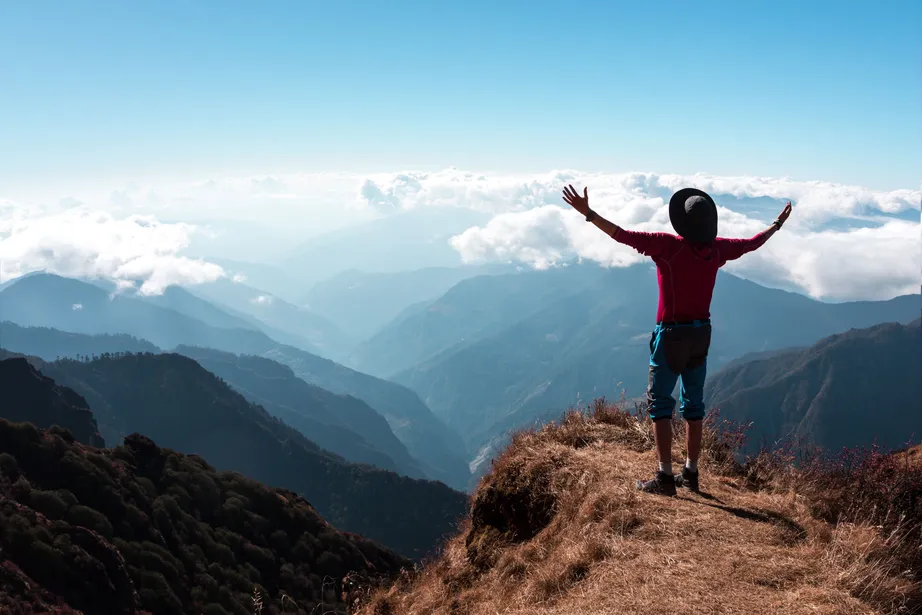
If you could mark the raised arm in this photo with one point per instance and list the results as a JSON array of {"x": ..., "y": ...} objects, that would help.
[
  {"x": 650, "y": 244},
  {"x": 732, "y": 249}
]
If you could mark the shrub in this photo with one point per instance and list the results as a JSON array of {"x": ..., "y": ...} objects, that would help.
[
  {"x": 49, "y": 503},
  {"x": 85, "y": 516}
]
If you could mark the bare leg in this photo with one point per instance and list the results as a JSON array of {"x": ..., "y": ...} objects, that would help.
[
  {"x": 693, "y": 439},
  {"x": 662, "y": 435}
]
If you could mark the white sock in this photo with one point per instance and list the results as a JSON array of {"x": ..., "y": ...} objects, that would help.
[
  {"x": 666, "y": 468},
  {"x": 691, "y": 465}
]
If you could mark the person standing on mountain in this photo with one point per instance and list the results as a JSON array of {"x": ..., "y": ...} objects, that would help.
[{"x": 686, "y": 266}]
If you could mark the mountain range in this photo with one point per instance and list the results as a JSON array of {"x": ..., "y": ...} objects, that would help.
[
  {"x": 492, "y": 353},
  {"x": 76, "y": 306},
  {"x": 180, "y": 405},
  {"x": 281, "y": 320}
]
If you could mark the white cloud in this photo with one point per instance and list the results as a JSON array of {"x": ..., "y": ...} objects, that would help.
[
  {"x": 77, "y": 307},
  {"x": 262, "y": 300},
  {"x": 79, "y": 242},
  {"x": 876, "y": 233},
  {"x": 842, "y": 242}
]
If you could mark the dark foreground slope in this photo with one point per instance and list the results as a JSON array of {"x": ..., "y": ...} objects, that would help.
[
  {"x": 851, "y": 389},
  {"x": 557, "y": 527},
  {"x": 143, "y": 529},
  {"x": 26, "y": 395},
  {"x": 179, "y": 404}
]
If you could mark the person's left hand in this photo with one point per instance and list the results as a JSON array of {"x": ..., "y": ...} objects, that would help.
[{"x": 785, "y": 213}]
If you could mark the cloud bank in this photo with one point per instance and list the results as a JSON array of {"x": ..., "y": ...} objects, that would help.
[
  {"x": 134, "y": 251},
  {"x": 843, "y": 242}
]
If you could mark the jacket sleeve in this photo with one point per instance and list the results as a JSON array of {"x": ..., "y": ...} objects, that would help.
[
  {"x": 648, "y": 244},
  {"x": 732, "y": 249}
]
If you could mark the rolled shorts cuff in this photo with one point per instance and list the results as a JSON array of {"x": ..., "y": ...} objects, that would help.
[{"x": 692, "y": 414}]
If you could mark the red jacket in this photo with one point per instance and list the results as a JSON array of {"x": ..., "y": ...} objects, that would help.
[{"x": 686, "y": 272}]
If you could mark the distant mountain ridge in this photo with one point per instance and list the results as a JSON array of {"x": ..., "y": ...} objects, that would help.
[
  {"x": 280, "y": 319},
  {"x": 461, "y": 316},
  {"x": 840, "y": 392},
  {"x": 50, "y": 343},
  {"x": 400, "y": 241},
  {"x": 365, "y": 302}
]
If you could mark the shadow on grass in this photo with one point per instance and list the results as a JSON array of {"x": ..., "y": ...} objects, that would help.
[{"x": 793, "y": 531}]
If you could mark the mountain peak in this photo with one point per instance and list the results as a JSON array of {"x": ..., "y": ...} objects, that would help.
[{"x": 557, "y": 526}]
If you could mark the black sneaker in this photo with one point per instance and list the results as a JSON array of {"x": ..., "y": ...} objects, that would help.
[
  {"x": 687, "y": 479},
  {"x": 661, "y": 484}
]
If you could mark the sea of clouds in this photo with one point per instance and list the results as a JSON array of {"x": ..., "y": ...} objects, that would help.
[{"x": 842, "y": 242}]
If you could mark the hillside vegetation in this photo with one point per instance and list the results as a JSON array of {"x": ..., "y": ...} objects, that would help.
[
  {"x": 557, "y": 527},
  {"x": 140, "y": 529}
]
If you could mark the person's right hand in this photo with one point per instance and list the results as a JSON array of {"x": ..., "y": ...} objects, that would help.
[{"x": 574, "y": 200}]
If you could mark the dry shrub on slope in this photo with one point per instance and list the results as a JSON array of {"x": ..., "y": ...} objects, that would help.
[{"x": 558, "y": 528}]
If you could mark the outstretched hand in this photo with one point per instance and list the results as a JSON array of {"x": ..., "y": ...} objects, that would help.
[
  {"x": 575, "y": 200},
  {"x": 785, "y": 213}
]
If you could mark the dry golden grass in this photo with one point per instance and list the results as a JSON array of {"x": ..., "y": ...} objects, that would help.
[
  {"x": 558, "y": 527},
  {"x": 913, "y": 455}
]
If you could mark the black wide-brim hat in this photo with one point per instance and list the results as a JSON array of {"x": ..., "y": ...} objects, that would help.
[{"x": 693, "y": 214}]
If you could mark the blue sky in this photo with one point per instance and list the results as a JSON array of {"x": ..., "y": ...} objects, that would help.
[{"x": 133, "y": 90}]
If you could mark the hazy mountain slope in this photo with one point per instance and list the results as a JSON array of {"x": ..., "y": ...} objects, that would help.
[
  {"x": 400, "y": 241},
  {"x": 583, "y": 343},
  {"x": 596, "y": 341},
  {"x": 268, "y": 277},
  {"x": 181, "y": 300},
  {"x": 175, "y": 401},
  {"x": 50, "y": 344},
  {"x": 140, "y": 529},
  {"x": 342, "y": 424},
  {"x": 28, "y": 396},
  {"x": 210, "y": 313},
  {"x": 79, "y": 307},
  {"x": 846, "y": 390},
  {"x": 472, "y": 309},
  {"x": 427, "y": 438},
  {"x": 324, "y": 337},
  {"x": 364, "y": 302}
]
